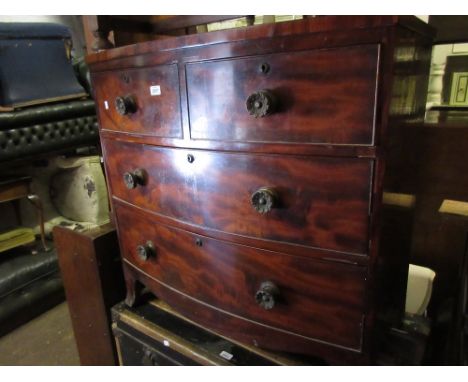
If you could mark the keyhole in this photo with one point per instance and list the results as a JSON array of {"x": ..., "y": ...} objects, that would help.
[{"x": 264, "y": 68}]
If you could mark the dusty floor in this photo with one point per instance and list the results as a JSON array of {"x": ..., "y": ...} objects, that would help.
[{"x": 46, "y": 340}]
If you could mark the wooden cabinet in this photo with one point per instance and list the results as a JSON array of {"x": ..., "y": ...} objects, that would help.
[{"x": 247, "y": 169}]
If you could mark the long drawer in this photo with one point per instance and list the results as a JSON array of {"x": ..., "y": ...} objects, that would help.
[
  {"x": 320, "y": 202},
  {"x": 318, "y": 96},
  {"x": 319, "y": 300}
]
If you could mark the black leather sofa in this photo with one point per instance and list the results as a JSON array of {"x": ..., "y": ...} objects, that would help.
[
  {"x": 46, "y": 129},
  {"x": 29, "y": 285}
]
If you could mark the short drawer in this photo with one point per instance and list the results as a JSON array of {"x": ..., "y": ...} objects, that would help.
[
  {"x": 152, "y": 333},
  {"x": 134, "y": 351},
  {"x": 318, "y": 202},
  {"x": 141, "y": 101},
  {"x": 319, "y": 300},
  {"x": 323, "y": 96}
]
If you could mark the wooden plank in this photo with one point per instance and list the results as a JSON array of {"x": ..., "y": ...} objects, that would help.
[
  {"x": 93, "y": 282},
  {"x": 14, "y": 191}
]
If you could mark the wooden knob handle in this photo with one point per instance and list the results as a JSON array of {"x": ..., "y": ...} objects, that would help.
[
  {"x": 261, "y": 103},
  {"x": 149, "y": 358},
  {"x": 145, "y": 251},
  {"x": 134, "y": 178},
  {"x": 264, "y": 199},
  {"x": 125, "y": 105},
  {"x": 267, "y": 295}
]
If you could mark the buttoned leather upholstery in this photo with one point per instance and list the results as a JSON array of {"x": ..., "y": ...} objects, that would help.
[
  {"x": 29, "y": 284},
  {"x": 47, "y": 128}
]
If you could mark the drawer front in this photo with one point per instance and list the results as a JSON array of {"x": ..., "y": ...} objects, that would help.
[
  {"x": 323, "y": 96},
  {"x": 317, "y": 201},
  {"x": 134, "y": 352},
  {"x": 141, "y": 101},
  {"x": 137, "y": 349},
  {"x": 318, "y": 300}
]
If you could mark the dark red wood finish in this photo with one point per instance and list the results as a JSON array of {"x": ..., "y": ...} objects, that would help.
[
  {"x": 322, "y": 202},
  {"x": 391, "y": 232},
  {"x": 322, "y": 27},
  {"x": 155, "y": 114},
  {"x": 240, "y": 329},
  {"x": 313, "y": 105},
  {"x": 251, "y": 147},
  {"x": 91, "y": 270},
  {"x": 325, "y": 155},
  {"x": 319, "y": 300}
]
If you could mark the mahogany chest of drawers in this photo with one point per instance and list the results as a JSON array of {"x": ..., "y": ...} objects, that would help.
[{"x": 247, "y": 170}]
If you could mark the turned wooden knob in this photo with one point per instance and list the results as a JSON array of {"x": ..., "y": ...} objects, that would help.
[
  {"x": 261, "y": 103},
  {"x": 145, "y": 251},
  {"x": 149, "y": 358},
  {"x": 125, "y": 105},
  {"x": 267, "y": 295},
  {"x": 264, "y": 199},
  {"x": 134, "y": 178}
]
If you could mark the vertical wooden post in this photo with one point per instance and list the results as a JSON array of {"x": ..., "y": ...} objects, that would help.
[
  {"x": 92, "y": 275},
  {"x": 96, "y": 33}
]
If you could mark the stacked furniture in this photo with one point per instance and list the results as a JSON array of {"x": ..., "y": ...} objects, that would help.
[
  {"x": 152, "y": 333},
  {"x": 248, "y": 177},
  {"x": 43, "y": 111},
  {"x": 43, "y": 105}
]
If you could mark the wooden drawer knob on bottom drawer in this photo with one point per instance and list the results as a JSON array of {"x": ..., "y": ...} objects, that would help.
[
  {"x": 145, "y": 251},
  {"x": 125, "y": 105},
  {"x": 264, "y": 199},
  {"x": 134, "y": 178},
  {"x": 261, "y": 103},
  {"x": 149, "y": 358},
  {"x": 267, "y": 295}
]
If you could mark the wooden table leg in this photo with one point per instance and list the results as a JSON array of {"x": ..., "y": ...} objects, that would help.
[
  {"x": 36, "y": 201},
  {"x": 16, "y": 207}
]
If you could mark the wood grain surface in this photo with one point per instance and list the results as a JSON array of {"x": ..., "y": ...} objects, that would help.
[
  {"x": 319, "y": 300},
  {"x": 322, "y": 202},
  {"x": 155, "y": 115},
  {"x": 323, "y": 96}
]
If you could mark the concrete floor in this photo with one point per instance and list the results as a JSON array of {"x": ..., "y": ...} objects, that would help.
[{"x": 46, "y": 340}]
